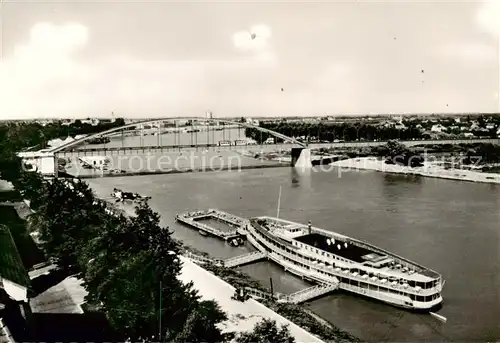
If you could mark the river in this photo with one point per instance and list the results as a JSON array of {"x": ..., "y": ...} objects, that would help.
[{"x": 449, "y": 226}]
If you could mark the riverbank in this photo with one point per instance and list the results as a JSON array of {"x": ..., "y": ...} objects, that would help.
[
  {"x": 427, "y": 170},
  {"x": 99, "y": 174},
  {"x": 242, "y": 316},
  {"x": 297, "y": 314}
]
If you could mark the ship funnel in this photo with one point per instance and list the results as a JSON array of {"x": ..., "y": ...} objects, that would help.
[{"x": 309, "y": 227}]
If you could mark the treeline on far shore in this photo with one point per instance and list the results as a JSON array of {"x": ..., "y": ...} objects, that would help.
[
  {"x": 32, "y": 134},
  {"x": 349, "y": 132},
  {"x": 472, "y": 153}
]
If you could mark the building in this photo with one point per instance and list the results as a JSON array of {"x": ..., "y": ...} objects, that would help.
[
  {"x": 42, "y": 161},
  {"x": 13, "y": 276},
  {"x": 95, "y": 161},
  {"x": 252, "y": 122},
  {"x": 438, "y": 128},
  {"x": 91, "y": 121}
]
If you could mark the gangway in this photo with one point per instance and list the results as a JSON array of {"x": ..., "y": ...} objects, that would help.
[
  {"x": 199, "y": 259},
  {"x": 310, "y": 293},
  {"x": 258, "y": 294},
  {"x": 244, "y": 259}
]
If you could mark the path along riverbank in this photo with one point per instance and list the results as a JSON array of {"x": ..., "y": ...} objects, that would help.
[
  {"x": 242, "y": 316},
  {"x": 427, "y": 170}
]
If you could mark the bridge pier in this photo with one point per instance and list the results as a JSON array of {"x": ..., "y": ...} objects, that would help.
[{"x": 301, "y": 158}]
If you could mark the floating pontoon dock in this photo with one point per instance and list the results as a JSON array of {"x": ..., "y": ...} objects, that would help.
[{"x": 193, "y": 219}]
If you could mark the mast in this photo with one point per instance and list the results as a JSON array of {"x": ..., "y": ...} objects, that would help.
[{"x": 279, "y": 204}]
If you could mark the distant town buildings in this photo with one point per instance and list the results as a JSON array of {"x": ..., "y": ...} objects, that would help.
[
  {"x": 438, "y": 128},
  {"x": 252, "y": 122}
]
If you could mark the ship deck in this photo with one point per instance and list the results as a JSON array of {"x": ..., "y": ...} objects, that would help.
[{"x": 351, "y": 252}]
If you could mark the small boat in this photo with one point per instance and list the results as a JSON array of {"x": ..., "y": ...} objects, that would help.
[
  {"x": 203, "y": 233},
  {"x": 233, "y": 242}
]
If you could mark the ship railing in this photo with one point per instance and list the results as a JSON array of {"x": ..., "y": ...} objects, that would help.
[
  {"x": 228, "y": 217},
  {"x": 358, "y": 277},
  {"x": 311, "y": 292},
  {"x": 255, "y": 293},
  {"x": 209, "y": 229},
  {"x": 255, "y": 243},
  {"x": 295, "y": 298}
]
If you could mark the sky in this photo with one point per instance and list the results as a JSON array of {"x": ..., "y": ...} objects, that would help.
[{"x": 170, "y": 59}]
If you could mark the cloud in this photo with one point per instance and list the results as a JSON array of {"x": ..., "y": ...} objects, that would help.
[
  {"x": 44, "y": 77},
  {"x": 473, "y": 54},
  {"x": 255, "y": 41},
  {"x": 45, "y": 60},
  {"x": 488, "y": 17},
  {"x": 47, "y": 55}
]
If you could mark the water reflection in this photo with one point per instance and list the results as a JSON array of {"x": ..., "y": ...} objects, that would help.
[
  {"x": 295, "y": 178},
  {"x": 396, "y": 187},
  {"x": 398, "y": 178},
  {"x": 301, "y": 177}
]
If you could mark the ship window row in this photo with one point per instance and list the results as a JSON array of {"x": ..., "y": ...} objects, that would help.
[
  {"x": 423, "y": 285},
  {"x": 414, "y": 297}
]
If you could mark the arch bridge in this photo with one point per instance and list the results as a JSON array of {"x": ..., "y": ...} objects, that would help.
[{"x": 163, "y": 136}]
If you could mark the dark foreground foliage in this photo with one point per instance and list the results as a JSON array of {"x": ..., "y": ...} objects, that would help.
[
  {"x": 129, "y": 265},
  {"x": 266, "y": 331}
]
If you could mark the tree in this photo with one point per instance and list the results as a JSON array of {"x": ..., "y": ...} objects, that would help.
[
  {"x": 483, "y": 153},
  {"x": 266, "y": 331},
  {"x": 200, "y": 325},
  {"x": 398, "y": 153},
  {"x": 132, "y": 268},
  {"x": 65, "y": 219}
]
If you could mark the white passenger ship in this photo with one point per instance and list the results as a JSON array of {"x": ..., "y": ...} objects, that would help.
[{"x": 328, "y": 257}]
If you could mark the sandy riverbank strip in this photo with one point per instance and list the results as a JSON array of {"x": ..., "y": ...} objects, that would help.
[
  {"x": 242, "y": 316},
  {"x": 427, "y": 170}
]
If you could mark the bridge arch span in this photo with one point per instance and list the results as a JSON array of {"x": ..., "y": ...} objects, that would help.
[{"x": 150, "y": 121}]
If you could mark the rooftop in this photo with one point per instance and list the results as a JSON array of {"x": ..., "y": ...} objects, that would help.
[{"x": 11, "y": 264}]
